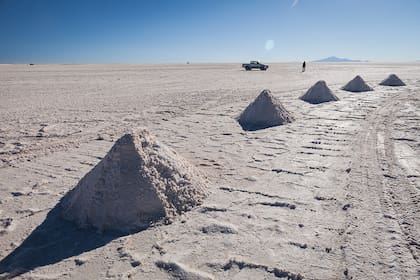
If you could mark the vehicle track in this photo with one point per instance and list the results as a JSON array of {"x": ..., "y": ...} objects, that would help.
[{"x": 382, "y": 223}]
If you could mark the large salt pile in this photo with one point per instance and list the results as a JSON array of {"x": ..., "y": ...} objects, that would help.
[
  {"x": 357, "y": 85},
  {"x": 265, "y": 111},
  {"x": 393, "y": 81},
  {"x": 137, "y": 182},
  {"x": 319, "y": 93}
]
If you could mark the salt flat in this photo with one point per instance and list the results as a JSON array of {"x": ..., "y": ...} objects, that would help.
[{"x": 332, "y": 195}]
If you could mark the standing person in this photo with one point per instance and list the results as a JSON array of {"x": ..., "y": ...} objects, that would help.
[{"x": 304, "y": 66}]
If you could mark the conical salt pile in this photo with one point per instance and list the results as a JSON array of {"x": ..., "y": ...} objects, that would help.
[
  {"x": 393, "y": 81},
  {"x": 319, "y": 93},
  {"x": 137, "y": 182},
  {"x": 357, "y": 85},
  {"x": 265, "y": 111}
]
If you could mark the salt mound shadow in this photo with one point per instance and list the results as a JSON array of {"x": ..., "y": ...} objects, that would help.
[
  {"x": 319, "y": 93},
  {"x": 51, "y": 242},
  {"x": 357, "y": 85},
  {"x": 265, "y": 111},
  {"x": 139, "y": 181},
  {"x": 392, "y": 81}
]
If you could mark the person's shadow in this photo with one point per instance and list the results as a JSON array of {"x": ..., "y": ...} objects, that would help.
[{"x": 52, "y": 241}]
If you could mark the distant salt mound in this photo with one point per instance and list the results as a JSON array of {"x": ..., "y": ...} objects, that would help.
[
  {"x": 392, "y": 81},
  {"x": 265, "y": 111},
  {"x": 357, "y": 85},
  {"x": 319, "y": 93},
  {"x": 137, "y": 182}
]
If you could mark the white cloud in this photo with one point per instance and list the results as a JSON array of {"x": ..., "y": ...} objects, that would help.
[{"x": 295, "y": 2}]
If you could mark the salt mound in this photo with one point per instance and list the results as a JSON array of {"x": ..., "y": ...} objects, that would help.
[
  {"x": 357, "y": 85},
  {"x": 393, "y": 81},
  {"x": 265, "y": 111},
  {"x": 137, "y": 182},
  {"x": 319, "y": 93}
]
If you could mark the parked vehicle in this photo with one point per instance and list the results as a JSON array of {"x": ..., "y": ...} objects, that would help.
[{"x": 254, "y": 64}]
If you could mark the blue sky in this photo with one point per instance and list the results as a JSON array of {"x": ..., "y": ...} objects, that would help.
[{"x": 172, "y": 31}]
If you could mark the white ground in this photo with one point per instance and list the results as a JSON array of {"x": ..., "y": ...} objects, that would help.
[{"x": 333, "y": 195}]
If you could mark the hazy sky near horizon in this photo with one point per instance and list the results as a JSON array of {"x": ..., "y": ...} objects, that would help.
[{"x": 169, "y": 31}]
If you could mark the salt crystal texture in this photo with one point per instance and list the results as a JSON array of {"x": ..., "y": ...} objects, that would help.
[
  {"x": 357, "y": 85},
  {"x": 393, "y": 81},
  {"x": 319, "y": 93},
  {"x": 265, "y": 111},
  {"x": 137, "y": 182}
]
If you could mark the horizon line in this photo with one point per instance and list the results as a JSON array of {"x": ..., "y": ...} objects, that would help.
[{"x": 200, "y": 62}]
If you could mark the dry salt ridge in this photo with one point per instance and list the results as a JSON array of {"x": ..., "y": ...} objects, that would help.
[{"x": 231, "y": 187}]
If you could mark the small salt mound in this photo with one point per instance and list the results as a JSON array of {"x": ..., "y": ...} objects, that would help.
[
  {"x": 137, "y": 182},
  {"x": 392, "y": 81},
  {"x": 265, "y": 111},
  {"x": 357, "y": 85},
  {"x": 319, "y": 93}
]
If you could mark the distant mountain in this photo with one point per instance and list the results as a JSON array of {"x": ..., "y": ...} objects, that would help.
[{"x": 338, "y": 59}]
